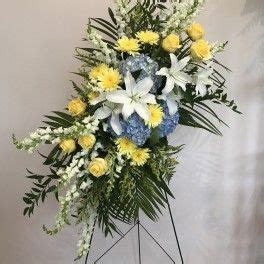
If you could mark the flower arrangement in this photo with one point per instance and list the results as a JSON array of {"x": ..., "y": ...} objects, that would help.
[{"x": 150, "y": 71}]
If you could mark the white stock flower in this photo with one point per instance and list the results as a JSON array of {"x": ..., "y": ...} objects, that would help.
[{"x": 135, "y": 98}]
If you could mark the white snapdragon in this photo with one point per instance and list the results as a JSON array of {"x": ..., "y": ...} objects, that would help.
[
  {"x": 89, "y": 125},
  {"x": 181, "y": 15},
  {"x": 74, "y": 169},
  {"x": 121, "y": 15},
  {"x": 217, "y": 47},
  {"x": 96, "y": 39},
  {"x": 120, "y": 163},
  {"x": 88, "y": 228},
  {"x": 65, "y": 207},
  {"x": 95, "y": 153}
]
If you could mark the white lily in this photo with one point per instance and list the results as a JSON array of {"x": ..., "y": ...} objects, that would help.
[
  {"x": 135, "y": 98},
  {"x": 175, "y": 75},
  {"x": 113, "y": 110},
  {"x": 201, "y": 79}
]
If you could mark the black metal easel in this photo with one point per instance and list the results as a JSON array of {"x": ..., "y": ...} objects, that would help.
[{"x": 139, "y": 225}]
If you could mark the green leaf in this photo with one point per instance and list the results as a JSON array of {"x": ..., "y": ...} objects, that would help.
[
  {"x": 112, "y": 16},
  {"x": 51, "y": 189},
  {"x": 104, "y": 31},
  {"x": 25, "y": 211},
  {"x": 27, "y": 200}
]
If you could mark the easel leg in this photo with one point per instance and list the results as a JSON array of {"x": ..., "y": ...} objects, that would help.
[
  {"x": 139, "y": 244},
  {"x": 174, "y": 229}
]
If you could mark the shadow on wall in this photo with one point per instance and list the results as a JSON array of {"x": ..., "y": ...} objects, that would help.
[
  {"x": 255, "y": 8},
  {"x": 249, "y": 216}
]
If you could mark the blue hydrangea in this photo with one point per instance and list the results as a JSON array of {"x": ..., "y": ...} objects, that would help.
[
  {"x": 145, "y": 65},
  {"x": 169, "y": 122},
  {"x": 134, "y": 128}
]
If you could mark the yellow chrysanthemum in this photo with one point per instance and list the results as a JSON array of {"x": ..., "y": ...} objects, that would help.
[
  {"x": 125, "y": 146},
  {"x": 156, "y": 115},
  {"x": 140, "y": 156},
  {"x": 109, "y": 80},
  {"x": 129, "y": 45},
  {"x": 148, "y": 37},
  {"x": 97, "y": 71}
]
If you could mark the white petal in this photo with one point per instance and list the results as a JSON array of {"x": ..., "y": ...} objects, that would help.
[
  {"x": 129, "y": 82},
  {"x": 115, "y": 124},
  {"x": 184, "y": 62},
  {"x": 119, "y": 97},
  {"x": 128, "y": 110},
  {"x": 182, "y": 79},
  {"x": 163, "y": 72},
  {"x": 148, "y": 99},
  {"x": 162, "y": 97},
  {"x": 200, "y": 89},
  {"x": 172, "y": 106},
  {"x": 169, "y": 85},
  {"x": 142, "y": 110},
  {"x": 174, "y": 62},
  {"x": 100, "y": 98},
  {"x": 143, "y": 86},
  {"x": 102, "y": 112}
]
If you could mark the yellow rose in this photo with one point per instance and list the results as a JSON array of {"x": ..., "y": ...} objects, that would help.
[
  {"x": 201, "y": 50},
  {"x": 68, "y": 146},
  {"x": 195, "y": 31},
  {"x": 171, "y": 43},
  {"x": 98, "y": 167},
  {"x": 76, "y": 107},
  {"x": 87, "y": 142}
]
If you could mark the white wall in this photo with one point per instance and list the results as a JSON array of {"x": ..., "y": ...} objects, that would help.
[{"x": 219, "y": 184}]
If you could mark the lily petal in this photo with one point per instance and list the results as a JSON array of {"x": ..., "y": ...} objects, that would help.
[
  {"x": 182, "y": 63},
  {"x": 102, "y": 112},
  {"x": 119, "y": 97},
  {"x": 172, "y": 106},
  {"x": 169, "y": 85},
  {"x": 142, "y": 111},
  {"x": 163, "y": 72},
  {"x": 143, "y": 86},
  {"x": 148, "y": 99},
  {"x": 200, "y": 89},
  {"x": 115, "y": 124},
  {"x": 174, "y": 62},
  {"x": 129, "y": 82},
  {"x": 128, "y": 110},
  {"x": 182, "y": 79}
]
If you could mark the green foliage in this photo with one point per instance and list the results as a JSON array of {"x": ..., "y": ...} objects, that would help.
[
  {"x": 60, "y": 119},
  {"x": 137, "y": 188},
  {"x": 42, "y": 186}
]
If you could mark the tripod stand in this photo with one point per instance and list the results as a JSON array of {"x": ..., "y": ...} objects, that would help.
[{"x": 139, "y": 226}]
